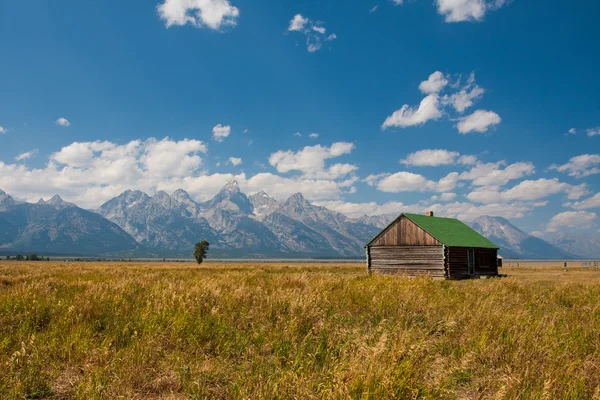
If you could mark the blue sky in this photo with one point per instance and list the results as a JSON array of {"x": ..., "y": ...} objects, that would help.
[{"x": 145, "y": 88}]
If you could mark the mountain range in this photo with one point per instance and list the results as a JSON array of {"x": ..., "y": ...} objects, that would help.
[{"x": 135, "y": 224}]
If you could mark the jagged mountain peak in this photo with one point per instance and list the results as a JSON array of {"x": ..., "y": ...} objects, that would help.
[
  {"x": 263, "y": 203},
  {"x": 232, "y": 186},
  {"x": 181, "y": 194},
  {"x": 231, "y": 198},
  {"x": 5, "y": 199},
  {"x": 297, "y": 198},
  {"x": 57, "y": 201}
]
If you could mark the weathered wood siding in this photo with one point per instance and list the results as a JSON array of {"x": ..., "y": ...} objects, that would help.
[
  {"x": 457, "y": 262},
  {"x": 405, "y": 232},
  {"x": 410, "y": 260}
]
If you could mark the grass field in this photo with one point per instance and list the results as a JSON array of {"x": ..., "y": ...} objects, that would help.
[{"x": 178, "y": 331}]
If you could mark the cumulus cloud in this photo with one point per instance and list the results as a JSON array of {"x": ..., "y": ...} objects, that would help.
[
  {"x": 527, "y": 190},
  {"x": 26, "y": 155},
  {"x": 298, "y": 23},
  {"x": 409, "y": 116},
  {"x": 462, "y": 210},
  {"x": 235, "y": 161},
  {"x": 571, "y": 220},
  {"x": 311, "y": 160},
  {"x": 492, "y": 174},
  {"x": 314, "y": 32},
  {"x": 434, "y": 84},
  {"x": 212, "y": 14},
  {"x": 592, "y": 202},
  {"x": 409, "y": 182},
  {"x": 90, "y": 173},
  {"x": 467, "y": 10},
  {"x": 580, "y": 166},
  {"x": 220, "y": 132},
  {"x": 2, "y": 130},
  {"x": 435, "y": 157},
  {"x": 479, "y": 121},
  {"x": 313, "y": 135},
  {"x": 458, "y": 97},
  {"x": 62, "y": 122},
  {"x": 464, "y": 98},
  {"x": 572, "y": 131}
]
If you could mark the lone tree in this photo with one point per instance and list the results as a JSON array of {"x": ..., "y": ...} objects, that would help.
[{"x": 200, "y": 251}]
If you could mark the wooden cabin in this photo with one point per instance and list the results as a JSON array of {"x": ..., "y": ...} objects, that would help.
[{"x": 441, "y": 247}]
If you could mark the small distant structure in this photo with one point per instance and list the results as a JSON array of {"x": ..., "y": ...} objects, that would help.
[{"x": 426, "y": 245}]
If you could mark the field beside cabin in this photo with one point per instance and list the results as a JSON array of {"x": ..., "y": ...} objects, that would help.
[{"x": 177, "y": 331}]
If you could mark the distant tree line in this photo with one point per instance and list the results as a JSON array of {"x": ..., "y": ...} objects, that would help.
[{"x": 30, "y": 257}]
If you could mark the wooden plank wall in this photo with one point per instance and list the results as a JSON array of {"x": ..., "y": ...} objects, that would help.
[
  {"x": 457, "y": 262},
  {"x": 410, "y": 260},
  {"x": 405, "y": 232}
]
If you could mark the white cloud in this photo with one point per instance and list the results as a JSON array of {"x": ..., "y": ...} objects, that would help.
[
  {"x": 592, "y": 202},
  {"x": 313, "y": 135},
  {"x": 91, "y": 173},
  {"x": 313, "y": 32},
  {"x": 593, "y": 131},
  {"x": 528, "y": 190},
  {"x": 200, "y": 13},
  {"x": 571, "y": 219},
  {"x": 354, "y": 210},
  {"x": 26, "y": 155},
  {"x": 465, "y": 98},
  {"x": 403, "y": 182},
  {"x": 572, "y": 131},
  {"x": 434, "y": 84},
  {"x": 62, "y": 122},
  {"x": 580, "y": 166},
  {"x": 408, "y": 116},
  {"x": 220, "y": 132},
  {"x": 374, "y": 9},
  {"x": 409, "y": 182},
  {"x": 2, "y": 130},
  {"x": 467, "y": 160},
  {"x": 435, "y": 105},
  {"x": 311, "y": 160},
  {"x": 235, "y": 161},
  {"x": 491, "y": 174},
  {"x": 297, "y": 23},
  {"x": 461, "y": 210},
  {"x": 479, "y": 121},
  {"x": 467, "y": 10},
  {"x": 435, "y": 157},
  {"x": 448, "y": 196},
  {"x": 298, "y": 134}
]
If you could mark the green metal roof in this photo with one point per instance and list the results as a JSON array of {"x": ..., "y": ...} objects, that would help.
[{"x": 451, "y": 232}]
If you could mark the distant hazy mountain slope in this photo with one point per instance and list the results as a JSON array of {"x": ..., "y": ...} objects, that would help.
[
  {"x": 586, "y": 246},
  {"x": 514, "y": 243},
  {"x": 59, "y": 227}
]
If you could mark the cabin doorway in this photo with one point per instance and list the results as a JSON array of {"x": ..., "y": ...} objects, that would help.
[{"x": 471, "y": 261}]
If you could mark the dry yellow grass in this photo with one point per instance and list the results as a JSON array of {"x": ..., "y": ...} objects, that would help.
[{"x": 175, "y": 331}]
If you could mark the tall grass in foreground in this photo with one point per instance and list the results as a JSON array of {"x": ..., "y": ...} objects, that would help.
[{"x": 103, "y": 331}]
